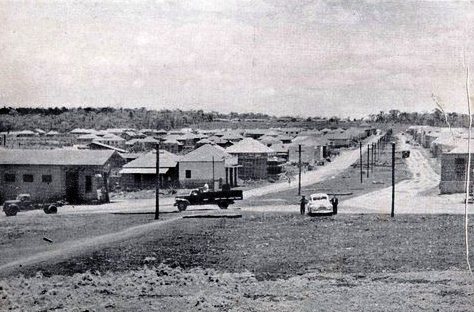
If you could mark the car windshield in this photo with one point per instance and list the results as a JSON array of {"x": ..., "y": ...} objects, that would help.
[{"x": 319, "y": 197}]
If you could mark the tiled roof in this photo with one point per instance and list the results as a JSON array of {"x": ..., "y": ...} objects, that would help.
[
  {"x": 249, "y": 146},
  {"x": 205, "y": 153},
  {"x": 59, "y": 157}
]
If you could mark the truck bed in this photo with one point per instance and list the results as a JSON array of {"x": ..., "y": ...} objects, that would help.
[{"x": 216, "y": 195}]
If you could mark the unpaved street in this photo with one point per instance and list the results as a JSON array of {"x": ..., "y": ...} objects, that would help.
[
  {"x": 339, "y": 164},
  {"x": 420, "y": 194}
]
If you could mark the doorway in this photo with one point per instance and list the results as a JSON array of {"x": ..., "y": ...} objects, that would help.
[{"x": 72, "y": 187}]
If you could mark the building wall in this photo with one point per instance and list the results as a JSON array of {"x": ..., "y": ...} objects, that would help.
[
  {"x": 42, "y": 191},
  {"x": 36, "y": 142},
  {"x": 148, "y": 181},
  {"x": 453, "y": 173},
  {"x": 172, "y": 148},
  {"x": 340, "y": 142},
  {"x": 429, "y": 138},
  {"x": 201, "y": 173},
  {"x": 253, "y": 166},
  {"x": 309, "y": 154}
]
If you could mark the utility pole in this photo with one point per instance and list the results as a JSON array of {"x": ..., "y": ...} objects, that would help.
[
  {"x": 375, "y": 152},
  {"x": 360, "y": 153},
  {"x": 368, "y": 160},
  {"x": 213, "y": 175},
  {"x": 299, "y": 165},
  {"x": 392, "y": 214},
  {"x": 373, "y": 156},
  {"x": 157, "y": 183}
]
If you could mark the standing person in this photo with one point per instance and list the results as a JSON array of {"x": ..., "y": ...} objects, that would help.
[
  {"x": 303, "y": 205},
  {"x": 334, "y": 202}
]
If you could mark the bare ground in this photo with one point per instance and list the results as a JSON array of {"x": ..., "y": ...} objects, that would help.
[{"x": 263, "y": 262}]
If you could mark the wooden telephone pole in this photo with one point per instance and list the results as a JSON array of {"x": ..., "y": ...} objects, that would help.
[
  {"x": 360, "y": 154},
  {"x": 299, "y": 173},
  {"x": 392, "y": 213},
  {"x": 157, "y": 185},
  {"x": 368, "y": 160}
]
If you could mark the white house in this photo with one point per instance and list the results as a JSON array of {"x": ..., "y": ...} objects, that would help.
[{"x": 208, "y": 163}]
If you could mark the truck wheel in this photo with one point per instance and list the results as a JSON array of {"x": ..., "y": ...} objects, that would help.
[
  {"x": 51, "y": 209},
  {"x": 223, "y": 205},
  {"x": 11, "y": 210},
  {"x": 182, "y": 206}
]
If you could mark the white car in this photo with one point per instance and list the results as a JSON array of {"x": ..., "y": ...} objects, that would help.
[{"x": 319, "y": 204}]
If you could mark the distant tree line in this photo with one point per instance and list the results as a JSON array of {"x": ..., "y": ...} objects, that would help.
[
  {"x": 65, "y": 119},
  {"x": 436, "y": 118}
]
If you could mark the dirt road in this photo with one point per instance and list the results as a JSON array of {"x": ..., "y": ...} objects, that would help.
[
  {"x": 70, "y": 248},
  {"x": 419, "y": 194},
  {"x": 339, "y": 164}
]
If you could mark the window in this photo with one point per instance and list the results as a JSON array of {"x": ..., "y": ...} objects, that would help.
[
  {"x": 137, "y": 178},
  {"x": 46, "y": 178},
  {"x": 9, "y": 177},
  {"x": 28, "y": 178},
  {"x": 460, "y": 168},
  {"x": 188, "y": 174},
  {"x": 88, "y": 184}
]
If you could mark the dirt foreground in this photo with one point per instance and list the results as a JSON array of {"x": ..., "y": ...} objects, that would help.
[
  {"x": 261, "y": 262},
  {"x": 162, "y": 288}
]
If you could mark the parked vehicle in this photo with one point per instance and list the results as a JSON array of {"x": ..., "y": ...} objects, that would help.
[
  {"x": 198, "y": 196},
  {"x": 24, "y": 202},
  {"x": 319, "y": 204}
]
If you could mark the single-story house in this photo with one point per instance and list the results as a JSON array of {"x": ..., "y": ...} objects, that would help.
[
  {"x": 74, "y": 175},
  {"x": 111, "y": 139},
  {"x": 454, "y": 169},
  {"x": 338, "y": 140},
  {"x": 208, "y": 163},
  {"x": 269, "y": 140},
  {"x": 172, "y": 146},
  {"x": 141, "y": 145},
  {"x": 255, "y": 133},
  {"x": 281, "y": 150},
  {"x": 141, "y": 172},
  {"x": 313, "y": 149},
  {"x": 291, "y": 131}
]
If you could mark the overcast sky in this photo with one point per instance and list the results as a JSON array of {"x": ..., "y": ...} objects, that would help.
[{"x": 302, "y": 57}]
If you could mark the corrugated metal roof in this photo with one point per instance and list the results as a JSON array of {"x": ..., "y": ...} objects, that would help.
[{"x": 57, "y": 157}]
